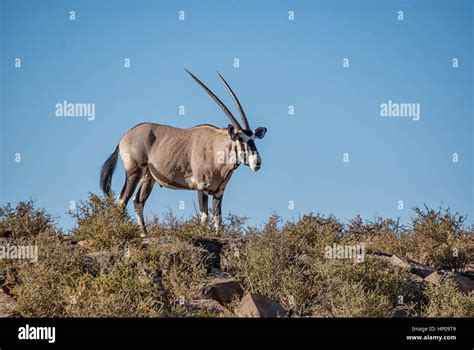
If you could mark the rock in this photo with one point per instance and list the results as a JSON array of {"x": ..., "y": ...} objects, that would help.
[
  {"x": 94, "y": 262},
  {"x": 469, "y": 267},
  {"x": 380, "y": 254},
  {"x": 414, "y": 267},
  {"x": 214, "y": 246},
  {"x": 416, "y": 278},
  {"x": 256, "y": 305},
  {"x": 68, "y": 239},
  {"x": 401, "y": 312},
  {"x": 172, "y": 250},
  {"x": 205, "y": 306},
  {"x": 400, "y": 262},
  {"x": 465, "y": 284},
  {"x": 434, "y": 277},
  {"x": 86, "y": 243},
  {"x": 223, "y": 288},
  {"x": 405, "y": 263},
  {"x": 211, "y": 248},
  {"x": 468, "y": 270},
  {"x": 7, "y": 305}
]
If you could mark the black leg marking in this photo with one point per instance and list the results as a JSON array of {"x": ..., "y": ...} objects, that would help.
[
  {"x": 128, "y": 189},
  {"x": 139, "y": 202},
  {"x": 203, "y": 206}
]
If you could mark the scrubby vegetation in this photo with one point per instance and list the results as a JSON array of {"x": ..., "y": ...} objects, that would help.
[{"x": 102, "y": 267}]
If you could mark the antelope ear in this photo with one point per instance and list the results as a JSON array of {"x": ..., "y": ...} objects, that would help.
[
  {"x": 260, "y": 132},
  {"x": 233, "y": 133}
]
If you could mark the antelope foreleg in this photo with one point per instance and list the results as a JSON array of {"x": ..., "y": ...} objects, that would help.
[{"x": 217, "y": 210}]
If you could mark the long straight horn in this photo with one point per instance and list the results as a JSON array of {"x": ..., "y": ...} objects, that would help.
[
  {"x": 236, "y": 101},
  {"x": 216, "y": 99}
]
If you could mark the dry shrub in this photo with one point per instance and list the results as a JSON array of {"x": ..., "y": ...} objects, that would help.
[
  {"x": 445, "y": 300},
  {"x": 134, "y": 281},
  {"x": 119, "y": 291},
  {"x": 440, "y": 240},
  {"x": 289, "y": 266},
  {"x": 24, "y": 219},
  {"x": 177, "y": 267},
  {"x": 39, "y": 286},
  {"x": 172, "y": 226},
  {"x": 436, "y": 238},
  {"x": 284, "y": 261},
  {"x": 104, "y": 223}
]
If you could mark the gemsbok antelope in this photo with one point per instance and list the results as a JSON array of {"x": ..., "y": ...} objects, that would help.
[{"x": 201, "y": 158}]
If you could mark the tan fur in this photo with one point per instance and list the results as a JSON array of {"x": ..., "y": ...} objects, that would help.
[{"x": 179, "y": 158}]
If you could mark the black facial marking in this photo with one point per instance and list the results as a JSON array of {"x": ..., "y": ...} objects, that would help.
[
  {"x": 249, "y": 133},
  {"x": 252, "y": 146}
]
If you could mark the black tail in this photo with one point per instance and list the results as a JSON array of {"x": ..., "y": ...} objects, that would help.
[{"x": 107, "y": 171}]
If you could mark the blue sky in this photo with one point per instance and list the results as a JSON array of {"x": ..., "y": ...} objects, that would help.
[{"x": 282, "y": 63}]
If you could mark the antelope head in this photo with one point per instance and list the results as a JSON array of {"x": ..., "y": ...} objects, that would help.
[{"x": 242, "y": 138}]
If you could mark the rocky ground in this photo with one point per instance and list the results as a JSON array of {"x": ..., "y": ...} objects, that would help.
[
  {"x": 222, "y": 289},
  {"x": 102, "y": 268}
]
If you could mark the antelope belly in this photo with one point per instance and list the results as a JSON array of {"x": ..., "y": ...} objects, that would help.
[{"x": 166, "y": 182}]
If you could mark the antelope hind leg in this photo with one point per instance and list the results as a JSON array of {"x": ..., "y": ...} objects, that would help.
[
  {"x": 139, "y": 201},
  {"x": 203, "y": 206}
]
